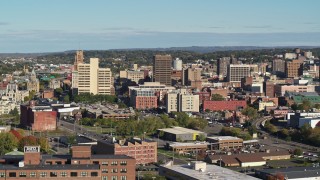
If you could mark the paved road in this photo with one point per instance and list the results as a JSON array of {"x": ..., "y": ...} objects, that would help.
[
  {"x": 79, "y": 130},
  {"x": 276, "y": 142}
]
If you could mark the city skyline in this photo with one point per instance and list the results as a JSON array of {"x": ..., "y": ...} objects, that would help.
[{"x": 48, "y": 26}]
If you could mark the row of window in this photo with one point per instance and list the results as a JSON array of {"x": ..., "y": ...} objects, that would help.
[
  {"x": 113, "y": 163},
  {"x": 51, "y": 174},
  {"x": 123, "y": 170},
  {"x": 114, "y": 177}
]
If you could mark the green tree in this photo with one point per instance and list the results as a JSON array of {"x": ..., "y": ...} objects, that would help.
[
  {"x": 7, "y": 143},
  {"x": 66, "y": 99},
  {"x": 317, "y": 106},
  {"x": 250, "y": 112},
  {"x": 305, "y": 105},
  {"x": 201, "y": 137},
  {"x": 297, "y": 152},
  {"x": 27, "y": 141},
  {"x": 217, "y": 97},
  {"x": 43, "y": 143},
  {"x": 58, "y": 91}
]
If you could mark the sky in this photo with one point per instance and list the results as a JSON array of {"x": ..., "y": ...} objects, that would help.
[{"x": 58, "y": 25}]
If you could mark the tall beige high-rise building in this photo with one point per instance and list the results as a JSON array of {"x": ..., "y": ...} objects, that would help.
[
  {"x": 294, "y": 68},
  {"x": 162, "y": 69},
  {"x": 78, "y": 59},
  {"x": 95, "y": 80}
]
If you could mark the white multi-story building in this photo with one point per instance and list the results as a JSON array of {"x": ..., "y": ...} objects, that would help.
[
  {"x": 177, "y": 64},
  {"x": 181, "y": 101}
]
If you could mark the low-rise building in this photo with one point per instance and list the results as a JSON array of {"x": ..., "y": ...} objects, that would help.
[
  {"x": 225, "y": 142},
  {"x": 198, "y": 170},
  {"x": 246, "y": 160},
  {"x": 81, "y": 164},
  {"x": 294, "y": 173},
  {"x": 179, "y": 134},
  {"x": 38, "y": 117},
  {"x": 224, "y": 105},
  {"x": 187, "y": 147},
  {"x": 145, "y": 152}
]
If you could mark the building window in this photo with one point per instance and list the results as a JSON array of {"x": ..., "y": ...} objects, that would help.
[
  {"x": 123, "y": 178},
  {"x": 95, "y": 162},
  {"x": 114, "y": 177},
  {"x": 33, "y": 174},
  {"x": 84, "y": 174},
  {"x": 104, "y": 177},
  {"x": 2, "y": 174},
  {"x": 104, "y": 170},
  {"x": 104, "y": 163},
  {"x": 123, "y": 163},
  {"x": 12, "y": 174},
  {"x": 124, "y": 170},
  {"x": 63, "y": 174},
  {"x": 53, "y": 174},
  {"x": 43, "y": 174},
  {"x": 73, "y": 174},
  {"x": 22, "y": 174},
  {"x": 114, "y": 170},
  {"x": 114, "y": 163},
  {"x": 94, "y": 174}
]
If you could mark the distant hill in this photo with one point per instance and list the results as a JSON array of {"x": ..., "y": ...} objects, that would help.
[
  {"x": 195, "y": 49},
  {"x": 208, "y": 49}
]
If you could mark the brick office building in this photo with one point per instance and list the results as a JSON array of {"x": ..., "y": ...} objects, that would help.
[
  {"x": 38, "y": 117},
  {"x": 80, "y": 165},
  {"x": 224, "y": 105},
  {"x": 145, "y": 152}
]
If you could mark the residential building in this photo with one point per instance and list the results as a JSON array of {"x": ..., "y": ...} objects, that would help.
[
  {"x": 238, "y": 71},
  {"x": 95, "y": 80},
  {"x": 278, "y": 67},
  {"x": 181, "y": 101},
  {"x": 269, "y": 89},
  {"x": 307, "y": 54},
  {"x": 143, "y": 98},
  {"x": 7, "y": 106},
  {"x": 38, "y": 117},
  {"x": 225, "y": 142},
  {"x": 290, "y": 55},
  {"x": 281, "y": 89},
  {"x": 264, "y": 104},
  {"x": 135, "y": 76},
  {"x": 180, "y": 134},
  {"x": 12, "y": 93},
  {"x": 144, "y": 152},
  {"x": 162, "y": 69},
  {"x": 81, "y": 164},
  {"x": 224, "y": 105},
  {"x": 156, "y": 87},
  {"x": 294, "y": 68}
]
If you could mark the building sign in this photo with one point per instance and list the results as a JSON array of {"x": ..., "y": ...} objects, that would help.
[{"x": 31, "y": 149}]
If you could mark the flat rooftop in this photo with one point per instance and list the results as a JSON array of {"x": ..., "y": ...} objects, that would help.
[
  {"x": 212, "y": 172},
  {"x": 224, "y": 138},
  {"x": 179, "y": 144},
  {"x": 180, "y": 130},
  {"x": 295, "y": 172}
]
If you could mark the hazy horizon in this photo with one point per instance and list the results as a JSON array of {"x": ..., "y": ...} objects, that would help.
[{"x": 53, "y": 26}]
